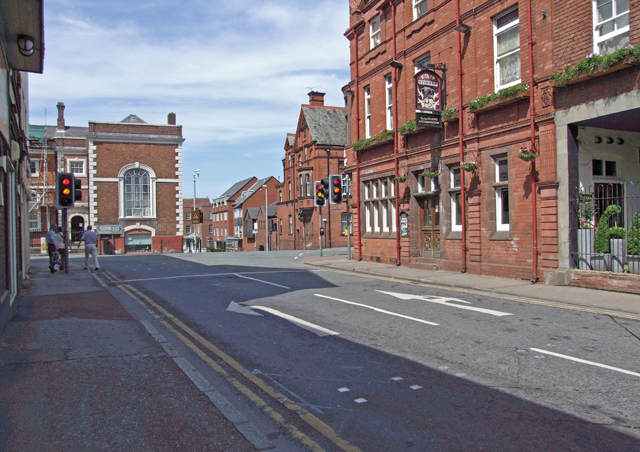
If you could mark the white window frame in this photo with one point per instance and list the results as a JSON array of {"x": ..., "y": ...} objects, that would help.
[
  {"x": 367, "y": 112},
  {"x": 37, "y": 163},
  {"x": 385, "y": 215},
  {"x": 389, "y": 100},
  {"x": 455, "y": 195},
  {"x": 84, "y": 167},
  {"x": 418, "y": 10},
  {"x": 367, "y": 216},
  {"x": 307, "y": 182},
  {"x": 152, "y": 187},
  {"x": 210, "y": 229},
  {"x": 290, "y": 224},
  {"x": 597, "y": 40},
  {"x": 500, "y": 188},
  {"x": 497, "y": 31},
  {"x": 375, "y": 33},
  {"x": 188, "y": 215},
  {"x": 188, "y": 229}
]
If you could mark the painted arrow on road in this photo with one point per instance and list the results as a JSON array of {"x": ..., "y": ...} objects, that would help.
[{"x": 445, "y": 301}]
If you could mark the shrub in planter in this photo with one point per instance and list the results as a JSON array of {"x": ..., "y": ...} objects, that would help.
[
  {"x": 602, "y": 243},
  {"x": 633, "y": 245},
  {"x": 586, "y": 210}
]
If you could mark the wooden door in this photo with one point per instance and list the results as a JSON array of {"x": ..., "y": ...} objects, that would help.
[{"x": 430, "y": 228}]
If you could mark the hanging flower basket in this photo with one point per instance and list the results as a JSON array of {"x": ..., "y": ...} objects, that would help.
[
  {"x": 469, "y": 166},
  {"x": 432, "y": 172},
  {"x": 402, "y": 178},
  {"x": 527, "y": 154}
]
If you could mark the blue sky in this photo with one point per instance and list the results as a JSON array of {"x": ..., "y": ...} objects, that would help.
[{"x": 234, "y": 72}]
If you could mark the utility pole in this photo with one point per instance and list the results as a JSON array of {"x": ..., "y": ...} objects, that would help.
[{"x": 328, "y": 201}]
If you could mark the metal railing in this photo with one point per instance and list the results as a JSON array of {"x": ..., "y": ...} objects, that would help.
[{"x": 605, "y": 228}]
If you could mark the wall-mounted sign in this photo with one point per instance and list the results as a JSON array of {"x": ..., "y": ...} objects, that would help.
[
  {"x": 428, "y": 99},
  {"x": 404, "y": 224},
  {"x": 108, "y": 229}
]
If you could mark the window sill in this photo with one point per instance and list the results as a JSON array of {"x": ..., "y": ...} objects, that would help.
[
  {"x": 454, "y": 235},
  {"x": 501, "y": 235}
]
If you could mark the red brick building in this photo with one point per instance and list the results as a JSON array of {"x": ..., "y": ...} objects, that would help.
[
  {"x": 222, "y": 216},
  {"x": 202, "y": 230},
  {"x": 507, "y": 216},
  {"x": 262, "y": 192},
  {"x": 312, "y": 153}
]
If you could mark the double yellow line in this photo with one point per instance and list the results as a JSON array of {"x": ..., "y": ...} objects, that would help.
[{"x": 202, "y": 348}]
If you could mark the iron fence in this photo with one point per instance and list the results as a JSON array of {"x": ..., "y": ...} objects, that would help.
[{"x": 606, "y": 228}]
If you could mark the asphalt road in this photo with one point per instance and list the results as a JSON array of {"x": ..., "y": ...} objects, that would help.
[{"x": 387, "y": 366}]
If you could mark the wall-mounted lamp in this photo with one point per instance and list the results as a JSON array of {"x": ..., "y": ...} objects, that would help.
[
  {"x": 463, "y": 28},
  {"x": 396, "y": 64},
  {"x": 26, "y": 45}
]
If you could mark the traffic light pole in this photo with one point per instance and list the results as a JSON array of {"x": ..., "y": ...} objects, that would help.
[
  {"x": 65, "y": 237},
  {"x": 320, "y": 228}
]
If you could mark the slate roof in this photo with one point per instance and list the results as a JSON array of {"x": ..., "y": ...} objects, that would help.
[
  {"x": 235, "y": 188},
  {"x": 247, "y": 194},
  {"x": 327, "y": 125},
  {"x": 252, "y": 212},
  {"x": 133, "y": 119}
]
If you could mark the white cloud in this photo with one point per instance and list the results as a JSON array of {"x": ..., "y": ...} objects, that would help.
[{"x": 235, "y": 73}]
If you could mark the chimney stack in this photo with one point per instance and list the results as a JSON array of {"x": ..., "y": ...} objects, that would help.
[
  {"x": 171, "y": 119},
  {"x": 60, "y": 116},
  {"x": 316, "y": 99}
]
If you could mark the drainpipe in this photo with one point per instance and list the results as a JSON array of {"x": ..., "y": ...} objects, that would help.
[
  {"x": 532, "y": 115},
  {"x": 357, "y": 102},
  {"x": 460, "y": 122},
  {"x": 395, "y": 134}
]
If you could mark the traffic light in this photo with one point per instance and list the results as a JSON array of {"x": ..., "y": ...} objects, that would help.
[
  {"x": 335, "y": 184},
  {"x": 320, "y": 196},
  {"x": 300, "y": 216},
  {"x": 65, "y": 190}
]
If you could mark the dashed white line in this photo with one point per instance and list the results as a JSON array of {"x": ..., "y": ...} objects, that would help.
[{"x": 260, "y": 280}]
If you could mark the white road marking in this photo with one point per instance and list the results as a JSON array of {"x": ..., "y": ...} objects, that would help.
[
  {"x": 414, "y": 387},
  {"x": 209, "y": 275},
  {"x": 397, "y": 378},
  {"x": 444, "y": 301},
  {"x": 239, "y": 309},
  {"x": 377, "y": 309},
  {"x": 343, "y": 389},
  {"x": 315, "y": 329},
  {"x": 584, "y": 361},
  {"x": 259, "y": 280},
  {"x": 361, "y": 400}
]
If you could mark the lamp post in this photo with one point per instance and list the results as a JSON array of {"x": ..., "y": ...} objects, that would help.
[
  {"x": 195, "y": 226},
  {"x": 266, "y": 219}
]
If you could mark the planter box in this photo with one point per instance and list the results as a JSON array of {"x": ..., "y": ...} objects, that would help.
[
  {"x": 587, "y": 75},
  {"x": 454, "y": 117},
  {"x": 586, "y": 237},
  {"x": 376, "y": 143},
  {"x": 618, "y": 255},
  {"x": 601, "y": 262},
  {"x": 634, "y": 263},
  {"x": 524, "y": 94}
]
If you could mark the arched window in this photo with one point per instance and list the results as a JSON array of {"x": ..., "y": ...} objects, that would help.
[{"x": 137, "y": 193}]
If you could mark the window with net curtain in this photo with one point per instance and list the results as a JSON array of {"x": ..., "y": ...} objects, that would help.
[
  {"x": 611, "y": 25},
  {"x": 137, "y": 193},
  {"x": 507, "y": 49}
]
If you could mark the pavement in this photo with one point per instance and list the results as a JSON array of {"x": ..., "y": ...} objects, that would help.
[{"x": 82, "y": 373}]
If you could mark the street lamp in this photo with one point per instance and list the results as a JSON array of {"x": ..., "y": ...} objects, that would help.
[
  {"x": 266, "y": 218},
  {"x": 195, "y": 226}
]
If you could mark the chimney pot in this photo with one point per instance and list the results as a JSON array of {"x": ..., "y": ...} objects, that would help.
[
  {"x": 61, "y": 116},
  {"x": 316, "y": 99},
  {"x": 171, "y": 119}
]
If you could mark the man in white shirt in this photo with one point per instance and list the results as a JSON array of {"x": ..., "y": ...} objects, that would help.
[
  {"x": 51, "y": 245},
  {"x": 90, "y": 239}
]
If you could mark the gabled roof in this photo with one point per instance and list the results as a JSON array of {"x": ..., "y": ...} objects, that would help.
[
  {"x": 272, "y": 210},
  {"x": 235, "y": 188},
  {"x": 252, "y": 212},
  {"x": 247, "y": 194},
  {"x": 291, "y": 139},
  {"x": 327, "y": 125}
]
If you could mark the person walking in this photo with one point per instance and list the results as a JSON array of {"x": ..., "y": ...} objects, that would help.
[
  {"x": 90, "y": 239},
  {"x": 51, "y": 246},
  {"x": 61, "y": 248}
]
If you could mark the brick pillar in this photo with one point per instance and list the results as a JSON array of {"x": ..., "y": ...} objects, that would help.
[{"x": 474, "y": 226}]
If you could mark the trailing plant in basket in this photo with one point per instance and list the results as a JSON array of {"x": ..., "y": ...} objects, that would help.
[
  {"x": 401, "y": 178},
  {"x": 407, "y": 127},
  {"x": 469, "y": 166},
  {"x": 431, "y": 172},
  {"x": 603, "y": 233},
  {"x": 449, "y": 112},
  {"x": 527, "y": 154},
  {"x": 633, "y": 241}
]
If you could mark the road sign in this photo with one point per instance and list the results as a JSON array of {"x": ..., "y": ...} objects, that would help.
[{"x": 195, "y": 217}]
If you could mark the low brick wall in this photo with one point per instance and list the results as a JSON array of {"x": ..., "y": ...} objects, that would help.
[
  {"x": 617, "y": 282},
  {"x": 169, "y": 244}
]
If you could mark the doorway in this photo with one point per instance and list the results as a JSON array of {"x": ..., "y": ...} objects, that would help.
[{"x": 430, "y": 228}]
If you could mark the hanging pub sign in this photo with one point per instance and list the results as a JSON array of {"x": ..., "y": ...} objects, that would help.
[{"x": 428, "y": 99}]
